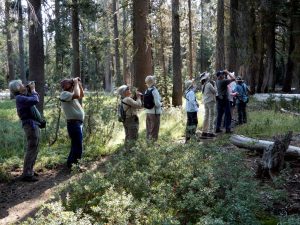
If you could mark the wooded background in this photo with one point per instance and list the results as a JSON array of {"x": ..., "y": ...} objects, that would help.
[{"x": 111, "y": 42}]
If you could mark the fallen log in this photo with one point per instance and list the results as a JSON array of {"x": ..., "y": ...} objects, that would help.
[
  {"x": 260, "y": 145},
  {"x": 289, "y": 112}
]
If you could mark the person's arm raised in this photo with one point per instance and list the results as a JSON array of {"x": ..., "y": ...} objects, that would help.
[{"x": 76, "y": 89}]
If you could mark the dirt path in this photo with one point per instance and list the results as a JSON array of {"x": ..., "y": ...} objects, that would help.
[{"x": 20, "y": 200}]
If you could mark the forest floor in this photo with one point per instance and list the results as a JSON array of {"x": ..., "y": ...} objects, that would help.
[{"x": 20, "y": 200}]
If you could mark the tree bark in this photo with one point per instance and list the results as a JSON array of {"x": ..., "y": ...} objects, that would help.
[
  {"x": 36, "y": 50},
  {"x": 75, "y": 40},
  {"x": 142, "y": 59},
  {"x": 190, "y": 41},
  {"x": 260, "y": 145},
  {"x": 177, "y": 78},
  {"x": 293, "y": 63},
  {"x": 126, "y": 77},
  {"x": 119, "y": 80},
  {"x": 21, "y": 42},
  {"x": 233, "y": 32},
  {"x": 269, "y": 32},
  {"x": 220, "y": 55},
  {"x": 10, "y": 51}
]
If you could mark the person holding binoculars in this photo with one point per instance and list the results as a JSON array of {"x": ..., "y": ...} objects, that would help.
[
  {"x": 72, "y": 91},
  {"x": 26, "y": 98}
]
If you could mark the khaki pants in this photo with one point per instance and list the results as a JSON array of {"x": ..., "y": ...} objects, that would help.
[
  {"x": 152, "y": 126},
  {"x": 33, "y": 137},
  {"x": 209, "y": 117},
  {"x": 131, "y": 126}
]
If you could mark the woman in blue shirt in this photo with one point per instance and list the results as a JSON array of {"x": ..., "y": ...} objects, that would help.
[{"x": 191, "y": 110}]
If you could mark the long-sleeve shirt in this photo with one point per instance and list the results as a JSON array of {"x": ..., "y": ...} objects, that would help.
[
  {"x": 209, "y": 93},
  {"x": 191, "y": 104},
  {"x": 157, "y": 101},
  {"x": 242, "y": 92},
  {"x": 131, "y": 106},
  {"x": 24, "y": 104}
]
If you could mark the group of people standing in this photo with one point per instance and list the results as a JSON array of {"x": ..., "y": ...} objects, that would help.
[
  {"x": 131, "y": 104},
  {"x": 219, "y": 97}
]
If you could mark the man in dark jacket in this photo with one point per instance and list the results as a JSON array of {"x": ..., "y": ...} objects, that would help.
[
  {"x": 24, "y": 104},
  {"x": 223, "y": 105}
]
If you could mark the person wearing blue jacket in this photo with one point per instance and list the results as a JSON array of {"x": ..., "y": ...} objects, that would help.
[
  {"x": 241, "y": 91},
  {"x": 191, "y": 110},
  {"x": 24, "y": 103}
]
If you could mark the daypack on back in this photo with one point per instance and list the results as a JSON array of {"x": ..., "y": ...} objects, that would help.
[
  {"x": 121, "y": 112},
  {"x": 149, "y": 99}
]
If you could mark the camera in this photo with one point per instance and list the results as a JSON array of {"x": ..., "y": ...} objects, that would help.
[{"x": 28, "y": 85}]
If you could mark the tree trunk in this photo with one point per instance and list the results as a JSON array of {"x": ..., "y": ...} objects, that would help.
[
  {"x": 119, "y": 80},
  {"x": 253, "y": 67},
  {"x": 202, "y": 67},
  {"x": 107, "y": 59},
  {"x": 58, "y": 40},
  {"x": 261, "y": 54},
  {"x": 36, "y": 50},
  {"x": 269, "y": 32},
  {"x": 233, "y": 32},
  {"x": 142, "y": 60},
  {"x": 190, "y": 41},
  {"x": 75, "y": 40},
  {"x": 220, "y": 55},
  {"x": 21, "y": 42},
  {"x": 177, "y": 79},
  {"x": 126, "y": 78},
  {"x": 294, "y": 48},
  {"x": 10, "y": 51},
  {"x": 273, "y": 157}
]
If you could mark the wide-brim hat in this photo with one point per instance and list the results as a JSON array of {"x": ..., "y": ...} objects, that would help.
[
  {"x": 204, "y": 76},
  {"x": 188, "y": 83}
]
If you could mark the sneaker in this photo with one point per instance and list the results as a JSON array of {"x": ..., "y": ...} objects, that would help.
[
  {"x": 29, "y": 179},
  {"x": 219, "y": 131},
  {"x": 228, "y": 132},
  {"x": 211, "y": 135}
]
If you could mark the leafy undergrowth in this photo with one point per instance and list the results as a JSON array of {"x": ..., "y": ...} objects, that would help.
[{"x": 166, "y": 182}]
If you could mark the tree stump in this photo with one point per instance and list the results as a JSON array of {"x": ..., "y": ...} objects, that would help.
[{"x": 273, "y": 157}]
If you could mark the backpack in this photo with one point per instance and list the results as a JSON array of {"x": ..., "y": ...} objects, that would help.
[
  {"x": 149, "y": 99},
  {"x": 121, "y": 112}
]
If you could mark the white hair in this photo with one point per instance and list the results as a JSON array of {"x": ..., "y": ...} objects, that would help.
[
  {"x": 121, "y": 90},
  {"x": 150, "y": 80},
  {"x": 14, "y": 86}
]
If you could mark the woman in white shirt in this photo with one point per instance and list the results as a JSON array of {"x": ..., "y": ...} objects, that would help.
[
  {"x": 152, "y": 113},
  {"x": 191, "y": 110}
]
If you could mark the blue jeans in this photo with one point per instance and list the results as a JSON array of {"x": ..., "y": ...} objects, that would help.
[
  {"x": 75, "y": 133},
  {"x": 223, "y": 106}
]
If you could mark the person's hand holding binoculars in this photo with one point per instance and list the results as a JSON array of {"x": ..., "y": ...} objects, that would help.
[{"x": 31, "y": 86}]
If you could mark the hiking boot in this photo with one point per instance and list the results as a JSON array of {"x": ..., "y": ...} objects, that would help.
[
  {"x": 204, "y": 134},
  {"x": 29, "y": 179},
  {"x": 219, "y": 131},
  {"x": 211, "y": 135},
  {"x": 228, "y": 132}
]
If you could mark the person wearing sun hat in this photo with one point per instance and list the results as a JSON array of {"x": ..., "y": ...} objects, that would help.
[
  {"x": 131, "y": 123},
  {"x": 209, "y": 91},
  {"x": 241, "y": 91},
  {"x": 191, "y": 110}
]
